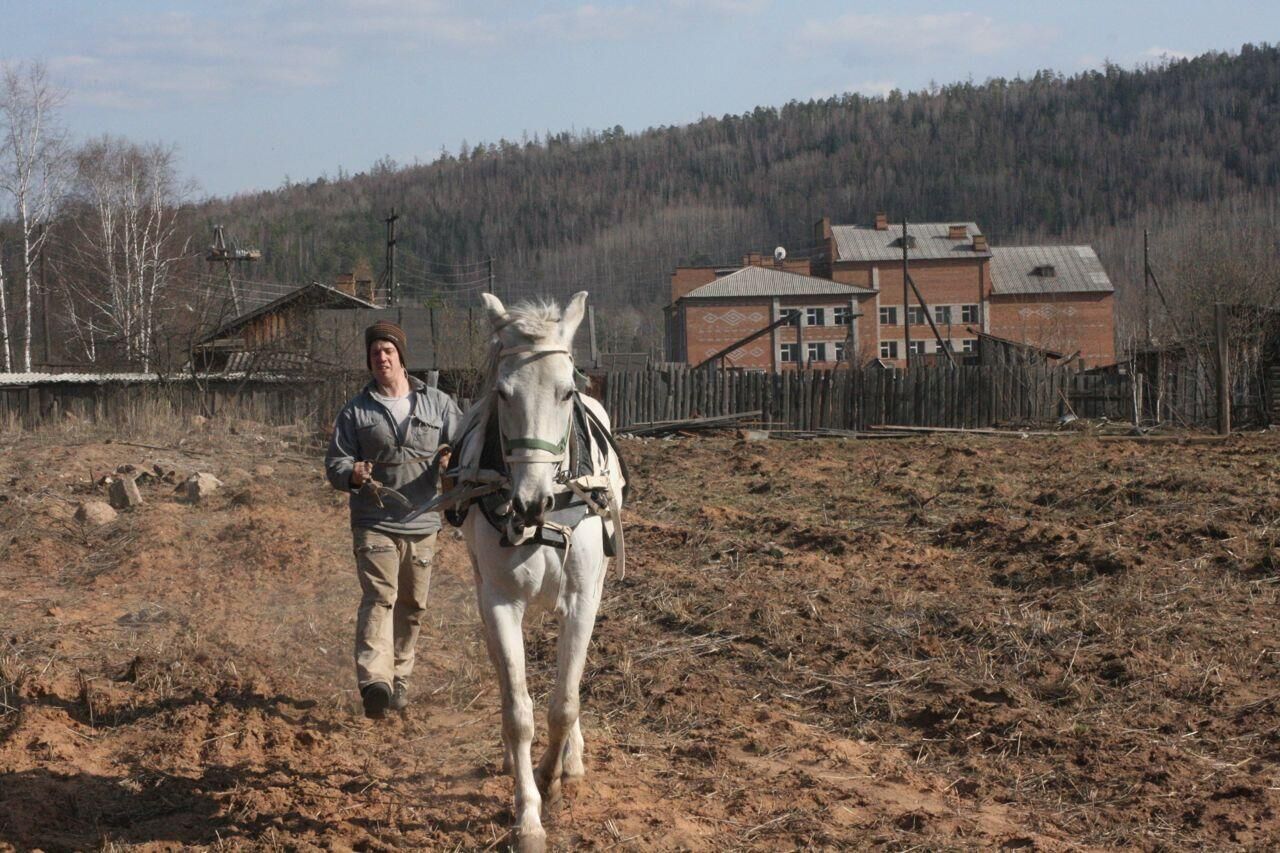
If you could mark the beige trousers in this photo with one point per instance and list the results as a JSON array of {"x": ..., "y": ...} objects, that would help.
[{"x": 395, "y": 575}]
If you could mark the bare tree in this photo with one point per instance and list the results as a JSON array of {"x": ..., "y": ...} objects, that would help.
[
  {"x": 4, "y": 317},
  {"x": 33, "y": 170},
  {"x": 127, "y": 200}
]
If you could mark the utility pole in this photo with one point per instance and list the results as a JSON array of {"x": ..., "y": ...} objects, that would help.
[
  {"x": 906, "y": 283},
  {"x": 1146, "y": 287},
  {"x": 799, "y": 318},
  {"x": 1224, "y": 374},
  {"x": 491, "y": 273},
  {"x": 391, "y": 257},
  {"x": 219, "y": 252}
]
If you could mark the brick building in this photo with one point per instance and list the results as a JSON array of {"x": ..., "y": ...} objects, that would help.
[
  {"x": 713, "y": 308},
  {"x": 1056, "y": 297},
  {"x": 1052, "y": 297}
]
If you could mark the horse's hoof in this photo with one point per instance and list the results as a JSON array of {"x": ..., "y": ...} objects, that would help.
[
  {"x": 551, "y": 792},
  {"x": 534, "y": 841}
]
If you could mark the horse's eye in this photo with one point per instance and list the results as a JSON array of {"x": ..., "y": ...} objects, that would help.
[{"x": 567, "y": 395}]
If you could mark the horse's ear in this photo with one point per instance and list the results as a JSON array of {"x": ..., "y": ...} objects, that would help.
[
  {"x": 573, "y": 314},
  {"x": 493, "y": 305}
]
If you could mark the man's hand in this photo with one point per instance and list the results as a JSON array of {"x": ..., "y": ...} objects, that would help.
[{"x": 360, "y": 473}]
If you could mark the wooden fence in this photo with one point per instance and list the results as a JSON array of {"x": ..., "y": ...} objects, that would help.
[
  {"x": 853, "y": 399},
  {"x": 122, "y": 403},
  {"x": 847, "y": 399}
]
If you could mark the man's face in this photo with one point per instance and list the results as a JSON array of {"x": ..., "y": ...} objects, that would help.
[{"x": 384, "y": 360}]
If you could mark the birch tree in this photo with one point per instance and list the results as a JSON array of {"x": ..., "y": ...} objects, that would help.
[
  {"x": 6, "y": 358},
  {"x": 127, "y": 199},
  {"x": 33, "y": 171}
]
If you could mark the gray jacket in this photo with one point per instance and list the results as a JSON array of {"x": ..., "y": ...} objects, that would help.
[{"x": 365, "y": 431}]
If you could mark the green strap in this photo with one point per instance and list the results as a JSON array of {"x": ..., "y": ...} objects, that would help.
[{"x": 537, "y": 444}]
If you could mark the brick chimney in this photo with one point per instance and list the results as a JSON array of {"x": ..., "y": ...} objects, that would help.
[
  {"x": 364, "y": 289},
  {"x": 822, "y": 230},
  {"x": 980, "y": 243},
  {"x": 957, "y": 232},
  {"x": 687, "y": 279},
  {"x": 346, "y": 283},
  {"x": 882, "y": 222}
]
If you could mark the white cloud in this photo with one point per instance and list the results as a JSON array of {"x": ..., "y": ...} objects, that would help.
[
  {"x": 967, "y": 33},
  {"x": 1152, "y": 55},
  {"x": 870, "y": 88},
  {"x": 1160, "y": 54},
  {"x": 405, "y": 24},
  {"x": 143, "y": 62},
  {"x": 589, "y": 22},
  {"x": 722, "y": 7}
]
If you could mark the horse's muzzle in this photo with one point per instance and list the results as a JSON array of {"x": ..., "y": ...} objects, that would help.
[{"x": 530, "y": 514}]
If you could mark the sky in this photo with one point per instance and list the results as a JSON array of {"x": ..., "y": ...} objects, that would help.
[{"x": 257, "y": 94}]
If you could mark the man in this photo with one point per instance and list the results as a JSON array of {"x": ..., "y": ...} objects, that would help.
[{"x": 392, "y": 435}]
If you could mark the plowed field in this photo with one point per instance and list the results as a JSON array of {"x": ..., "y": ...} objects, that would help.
[{"x": 945, "y": 643}]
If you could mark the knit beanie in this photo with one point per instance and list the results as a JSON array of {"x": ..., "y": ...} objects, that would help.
[{"x": 385, "y": 330}]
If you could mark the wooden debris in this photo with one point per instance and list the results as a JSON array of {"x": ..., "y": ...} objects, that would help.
[
  {"x": 967, "y": 431},
  {"x": 690, "y": 424}
]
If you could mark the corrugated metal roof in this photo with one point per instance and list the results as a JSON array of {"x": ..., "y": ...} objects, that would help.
[
  {"x": 1075, "y": 269},
  {"x": 865, "y": 243},
  {"x": 73, "y": 378},
  {"x": 766, "y": 281},
  {"x": 314, "y": 287},
  {"x": 10, "y": 380}
]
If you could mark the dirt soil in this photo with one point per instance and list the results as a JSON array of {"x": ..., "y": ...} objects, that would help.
[{"x": 937, "y": 643}]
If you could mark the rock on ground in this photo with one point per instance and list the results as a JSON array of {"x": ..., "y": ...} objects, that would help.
[
  {"x": 95, "y": 513},
  {"x": 200, "y": 486}
]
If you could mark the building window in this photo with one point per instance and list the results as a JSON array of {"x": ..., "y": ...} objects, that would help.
[
  {"x": 917, "y": 347},
  {"x": 969, "y": 314},
  {"x": 790, "y": 353},
  {"x": 889, "y": 316},
  {"x": 888, "y": 349},
  {"x": 968, "y": 345},
  {"x": 815, "y": 316},
  {"x": 941, "y": 314},
  {"x": 817, "y": 352},
  {"x": 842, "y": 315},
  {"x": 839, "y": 348},
  {"x": 915, "y": 316}
]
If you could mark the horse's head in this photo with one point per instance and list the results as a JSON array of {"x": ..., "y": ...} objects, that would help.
[{"x": 533, "y": 387}]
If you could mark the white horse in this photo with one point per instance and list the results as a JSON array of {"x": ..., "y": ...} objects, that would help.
[{"x": 530, "y": 383}]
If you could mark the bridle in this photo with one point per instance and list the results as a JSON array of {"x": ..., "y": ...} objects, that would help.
[{"x": 556, "y": 451}]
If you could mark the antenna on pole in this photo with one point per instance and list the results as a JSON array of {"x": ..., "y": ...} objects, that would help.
[{"x": 219, "y": 252}]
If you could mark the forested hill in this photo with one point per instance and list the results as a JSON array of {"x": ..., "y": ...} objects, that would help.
[{"x": 1085, "y": 157}]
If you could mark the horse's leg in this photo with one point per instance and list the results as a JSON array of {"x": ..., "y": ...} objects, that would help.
[
  {"x": 490, "y": 645},
  {"x": 573, "y": 748},
  {"x": 564, "y": 734},
  {"x": 503, "y": 623}
]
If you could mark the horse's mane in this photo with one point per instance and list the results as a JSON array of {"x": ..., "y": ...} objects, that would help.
[{"x": 532, "y": 320}]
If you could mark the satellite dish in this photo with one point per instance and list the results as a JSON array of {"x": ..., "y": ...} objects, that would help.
[{"x": 779, "y": 255}]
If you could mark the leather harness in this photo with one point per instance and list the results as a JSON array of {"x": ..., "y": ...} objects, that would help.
[{"x": 585, "y": 490}]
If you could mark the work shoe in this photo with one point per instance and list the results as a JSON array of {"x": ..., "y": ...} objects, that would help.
[
  {"x": 400, "y": 699},
  {"x": 376, "y": 698}
]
